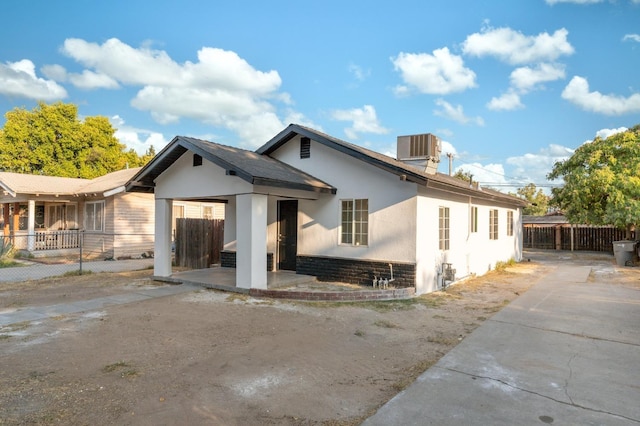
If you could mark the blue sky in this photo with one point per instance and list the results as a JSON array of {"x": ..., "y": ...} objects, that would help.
[{"x": 510, "y": 87}]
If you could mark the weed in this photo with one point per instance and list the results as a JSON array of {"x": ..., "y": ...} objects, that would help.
[
  {"x": 412, "y": 373},
  {"x": 127, "y": 370},
  {"x": 385, "y": 324},
  {"x": 76, "y": 273},
  {"x": 359, "y": 333},
  {"x": 6, "y": 263},
  {"x": 502, "y": 266}
]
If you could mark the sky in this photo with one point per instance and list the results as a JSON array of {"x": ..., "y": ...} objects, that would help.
[{"x": 510, "y": 87}]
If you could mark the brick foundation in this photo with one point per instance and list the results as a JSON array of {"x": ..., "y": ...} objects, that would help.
[
  {"x": 228, "y": 260},
  {"x": 355, "y": 271}
]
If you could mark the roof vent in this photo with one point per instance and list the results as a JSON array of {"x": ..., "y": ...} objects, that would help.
[{"x": 420, "y": 151}]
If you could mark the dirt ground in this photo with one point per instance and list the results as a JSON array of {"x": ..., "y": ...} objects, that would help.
[{"x": 208, "y": 357}]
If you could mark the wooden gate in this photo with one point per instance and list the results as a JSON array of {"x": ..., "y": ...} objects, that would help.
[
  {"x": 578, "y": 237},
  {"x": 198, "y": 242}
]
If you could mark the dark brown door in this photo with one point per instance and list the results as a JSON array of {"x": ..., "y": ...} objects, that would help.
[{"x": 287, "y": 234}]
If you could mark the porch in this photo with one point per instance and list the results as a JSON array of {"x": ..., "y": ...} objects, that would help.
[{"x": 287, "y": 285}]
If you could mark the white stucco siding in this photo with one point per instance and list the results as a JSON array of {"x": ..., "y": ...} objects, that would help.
[
  {"x": 392, "y": 206},
  {"x": 182, "y": 181},
  {"x": 469, "y": 252}
]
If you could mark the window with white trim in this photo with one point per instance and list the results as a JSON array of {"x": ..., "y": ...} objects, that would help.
[
  {"x": 510, "y": 223},
  {"x": 354, "y": 222},
  {"x": 493, "y": 224},
  {"x": 94, "y": 216},
  {"x": 443, "y": 228},
  {"x": 474, "y": 219}
]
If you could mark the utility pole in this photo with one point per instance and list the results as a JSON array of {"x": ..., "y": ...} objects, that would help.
[{"x": 450, "y": 155}]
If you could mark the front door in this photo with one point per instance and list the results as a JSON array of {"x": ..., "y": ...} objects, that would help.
[{"x": 287, "y": 234}]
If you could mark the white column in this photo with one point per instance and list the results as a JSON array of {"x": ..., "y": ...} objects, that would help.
[
  {"x": 31, "y": 225},
  {"x": 230, "y": 225},
  {"x": 162, "y": 245},
  {"x": 251, "y": 233}
]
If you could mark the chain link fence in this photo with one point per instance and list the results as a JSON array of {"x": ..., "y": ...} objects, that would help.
[{"x": 72, "y": 252}]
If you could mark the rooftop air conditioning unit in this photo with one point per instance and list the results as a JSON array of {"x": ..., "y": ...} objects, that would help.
[{"x": 420, "y": 151}]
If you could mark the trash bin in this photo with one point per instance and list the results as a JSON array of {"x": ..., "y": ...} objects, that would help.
[{"x": 625, "y": 252}]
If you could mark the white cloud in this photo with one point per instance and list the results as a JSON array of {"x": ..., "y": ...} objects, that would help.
[
  {"x": 577, "y": 92},
  {"x": 632, "y": 37},
  {"x": 220, "y": 89},
  {"x": 455, "y": 113},
  {"x": 138, "y": 139},
  {"x": 364, "y": 120},
  {"x": 19, "y": 79},
  {"x": 54, "y": 72},
  {"x": 515, "y": 48},
  {"x": 605, "y": 133},
  {"x": 552, "y": 2},
  {"x": 92, "y": 80},
  {"x": 527, "y": 78},
  {"x": 441, "y": 73},
  {"x": 487, "y": 174},
  {"x": 506, "y": 102},
  {"x": 358, "y": 72},
  {"x": 535, "y": 167}
]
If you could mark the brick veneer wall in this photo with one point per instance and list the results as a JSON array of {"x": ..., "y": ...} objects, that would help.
[
  {"x": 228, "y": 260},
  {"x": 355, "y": 271}
]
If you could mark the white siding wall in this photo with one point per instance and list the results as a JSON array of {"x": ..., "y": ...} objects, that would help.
[
  {"x": 469, "y": 252},
  {"x": 392, "y": 206},
  {"x": 133, "y": 223}
]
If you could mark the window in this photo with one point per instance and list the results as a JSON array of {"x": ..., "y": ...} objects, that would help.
[
  {"x": 510, "y": 223},
  {"x": 355, "y": 222},
  {"x": 493, "y": 224},
  {"x": 94, "y": 216},
  {"x": 197, "y": 160},
  {"x": 443, "y": 228},
  {"x": 474, "y": 219},
  {"x": 61, "y": 216},
  {"x": 305, "y": 147}
]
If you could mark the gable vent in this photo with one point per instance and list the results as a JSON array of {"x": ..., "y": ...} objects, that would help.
[
  {"x": 197, "y": 160},
  {"x": 305, "y": 147}
]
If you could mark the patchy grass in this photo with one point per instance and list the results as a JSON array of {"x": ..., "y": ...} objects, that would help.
[
  {"x": 76, "y": 273},
  {"x": 411, "y": 374},
  {"x": 502, "y": 266},
  {"x": 126, "y": 370},
  {"x": 7, "y": 263},
  {"x": 385, "y": 324},
  {"x": 359, "y": 333}
]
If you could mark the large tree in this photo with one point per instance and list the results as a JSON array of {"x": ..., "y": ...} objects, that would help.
[
  {"x": 538, "y": 200},
  {"x": 602, "y": 182},
  {"x": 51, "y": 140}
]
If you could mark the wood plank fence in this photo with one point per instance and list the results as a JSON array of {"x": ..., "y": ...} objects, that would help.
[
  {"x": 198, "y": 242},
  {"x": 578, "y": 237}
]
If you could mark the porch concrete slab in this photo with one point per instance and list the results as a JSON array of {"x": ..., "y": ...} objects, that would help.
[
  {"x": 565, "y": 352},
  {"x": 220, "y": 278}
]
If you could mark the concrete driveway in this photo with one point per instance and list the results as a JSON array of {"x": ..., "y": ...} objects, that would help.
[{"x": 567, "y": 352}]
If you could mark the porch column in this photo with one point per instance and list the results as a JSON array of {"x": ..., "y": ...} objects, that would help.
[
  {"x": 31, "y": 225},
  {"x": 16, "y": 222},
  {"x": 162, "y": 244},
  {"x": 251, "y": 233},
  {"x": 6, "y": 219}
]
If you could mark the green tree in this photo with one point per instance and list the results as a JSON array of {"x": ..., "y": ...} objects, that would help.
[
  {"x": 602, "y": 182},
  {"x": 51, "y": 140},
  {"x": 463, "y": 175},
  {"x": 539, "y": 201}
]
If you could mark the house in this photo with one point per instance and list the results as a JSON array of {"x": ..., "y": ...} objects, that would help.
[
  {"x": 44, "y": 215},
  {"x": 314, "y": 204}
]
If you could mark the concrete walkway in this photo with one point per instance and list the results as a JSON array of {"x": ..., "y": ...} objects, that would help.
[
  {"x": 40, "y": 270},
  {"x": 567, "y": 352},
  {"x": 36, "y": 313}
]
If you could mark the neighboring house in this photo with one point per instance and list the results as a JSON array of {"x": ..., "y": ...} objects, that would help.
[
  {"x": 314, "y": 204},
  {"x": 44, "y": 214}
]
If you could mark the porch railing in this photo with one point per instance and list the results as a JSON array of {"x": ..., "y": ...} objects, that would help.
[{"x": 56, "y": 240}]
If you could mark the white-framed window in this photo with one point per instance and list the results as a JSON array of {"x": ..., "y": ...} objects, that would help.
[
  {"x": 510, "y": 223},
  {"x": 354, "y": 221},
  {"x": 94, "y": 216},
  {"x": 474, "y": 219},
  {"x": 443, "y": 228},
  {"x": 493, "y": 224}
]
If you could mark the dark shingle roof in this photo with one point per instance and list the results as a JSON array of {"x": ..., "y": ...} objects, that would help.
[
  {"x": 387, "y": 163},
  {"x": 248, "y": 165}
]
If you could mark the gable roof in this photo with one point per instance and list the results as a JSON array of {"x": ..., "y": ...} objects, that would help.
[
  {"x": 248, "y": 165},
  {"x": 20, "y": 183},
  {"x": 437, "y": 181}
]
